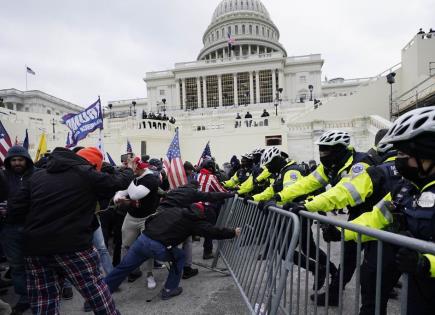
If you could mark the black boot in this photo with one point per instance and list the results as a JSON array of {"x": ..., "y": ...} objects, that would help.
[{"x": 189, "y": 272}]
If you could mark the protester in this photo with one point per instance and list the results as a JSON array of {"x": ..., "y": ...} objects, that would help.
[
  {"x": 141, "y": 199},
  {"x": 19, "y": 169},
  {"x": 175, "y": 220},
  {"x": 58, "y": 204}
]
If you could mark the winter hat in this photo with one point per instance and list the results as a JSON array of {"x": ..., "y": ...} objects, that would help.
[
  {"x": 140, "y": 165},
  {"x": 93, "y": 156}
]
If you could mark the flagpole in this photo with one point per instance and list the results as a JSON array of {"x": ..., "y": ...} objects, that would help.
[
  {"x": 26, "y": 77},
  {"x": 101, "y": 131}
]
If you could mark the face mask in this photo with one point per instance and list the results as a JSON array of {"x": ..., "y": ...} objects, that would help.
[
  {"x": 329, "y": 160},
  {"x": 408, "y": 172},
  {"x": 276, "y": 165}
]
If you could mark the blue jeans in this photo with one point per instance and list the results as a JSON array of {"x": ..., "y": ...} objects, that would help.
[
  {"x": 13, "y": 242},
  {"x": 141, "y": 250},
  {"x": 105, "y": 259}
]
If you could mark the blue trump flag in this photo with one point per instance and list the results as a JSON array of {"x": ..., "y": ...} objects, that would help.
[{"x": 83, "y": 123}]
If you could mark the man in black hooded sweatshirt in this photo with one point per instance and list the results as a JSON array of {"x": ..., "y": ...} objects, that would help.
[
  {"x": 19, "y": 168},
  {"x": 58, "y": 204},
  {"x": 177, "y": 218}
]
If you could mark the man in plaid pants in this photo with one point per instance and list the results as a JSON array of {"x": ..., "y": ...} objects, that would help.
[{"x": 59, "y": 203}]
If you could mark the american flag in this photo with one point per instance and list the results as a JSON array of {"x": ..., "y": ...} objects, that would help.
[
  {"x": 129, "y": 148},
  {"x": 206, "y": 154},
  {"x": 231, "y": 40},
  {"x": 30, "y": 71},
  {"x": 174, "y": 164},
  {"x": 5, "y": 142}
]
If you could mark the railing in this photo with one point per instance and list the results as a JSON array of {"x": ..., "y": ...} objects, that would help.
[
  {"x": 262, "y": 256},
  {"x": 412, "y": 96},
  {"x": 262, "y": 262}
]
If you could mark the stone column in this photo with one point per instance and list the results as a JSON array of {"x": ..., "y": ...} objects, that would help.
[
  {"x": 258, "y": 49},
  {"x": 257, "y": 86},
  {"x": 249, "y": 50},
  {"x": 251, "y": 87},
  {"x": 220, "y": 89},
  {"x": 183, "y": 92},
  {"x": 273, "y": 83},
  {"x": 204, "y": 91},
  {"x": 236, "y": 90},
  {"x": 198, "y": 91},
  {"x": 177, "y": 94}
]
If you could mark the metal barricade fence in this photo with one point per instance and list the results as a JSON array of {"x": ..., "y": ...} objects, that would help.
[
  {"x": 349, "y": 303},
  {"x": 261, "y": 259},
  {"x": 271, "y": 285}
]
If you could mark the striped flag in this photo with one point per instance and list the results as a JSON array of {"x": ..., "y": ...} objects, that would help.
[
  {"x": 174, "y": 164},
  {"x": 206, "y": 154},
  {"x": 5, "y": 142},
  {"x": 129, "y": 148}
]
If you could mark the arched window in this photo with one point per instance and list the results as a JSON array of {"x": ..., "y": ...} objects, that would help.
[
  {"x": 229, "y": 29},
  {"x": 243, "y": 29},
  {"x": 223, "y": 32},
  {"x": 236, "y": 30},
  {"x": 256, "y": 29},
  {"x": 250, "y": 29},
  {"x": 263, "y": 30},
  {"x": 268, "y": 33}
]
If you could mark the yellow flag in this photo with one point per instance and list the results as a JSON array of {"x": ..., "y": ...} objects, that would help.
[{"x": 42, "y": 147}]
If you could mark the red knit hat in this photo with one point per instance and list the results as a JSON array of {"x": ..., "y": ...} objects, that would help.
[
  {"x": 93, "y": 156},
  {"x": 140, "y": 165}
]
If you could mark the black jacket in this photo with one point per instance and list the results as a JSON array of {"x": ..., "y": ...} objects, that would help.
[
  {"x": 175, "y": 221},
  {"x": 59, "y": 203},
  {"x": 184, "y": 196},
  {"x": 11, "y": 182}
]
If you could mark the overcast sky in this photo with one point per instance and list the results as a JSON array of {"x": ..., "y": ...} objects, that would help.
[{"x": 84, "y": 48}]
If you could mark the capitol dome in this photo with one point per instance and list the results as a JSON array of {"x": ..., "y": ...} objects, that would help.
[
  {"x": 248, "y": 23},
  {"x": 231, "y": 6}
]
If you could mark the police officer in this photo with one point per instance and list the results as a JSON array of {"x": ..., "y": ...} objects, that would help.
[
  {"x": 259, "y": 178},
  {"x": 242, "y": 173},
  {"x": 339, "y": 163},
  {"x": 347, "y": 194},
  {"x": 410, "y": 206}
]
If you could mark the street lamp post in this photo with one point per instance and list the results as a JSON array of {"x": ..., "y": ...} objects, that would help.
[
  {"x": 53, "y": 122},
  {"x": 277, "y": 100},
  {"x": 164, "y": 106},
  {"x": 110, "y": 110},
  {"x": 391, "y": 80},
  {"x": 310, "y": 87},
  {"x": 134, "y": 108}
]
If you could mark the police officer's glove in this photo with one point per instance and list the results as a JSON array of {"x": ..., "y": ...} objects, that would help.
[
  {"x": 263, "y": 206},
  {"x": 277, "y": 198},
  {"x": 411, "y": 261},
  {"x": 294, "y": 207},
  {"x": 246, "y": 198},
  {"x": 331, "y": 234}
]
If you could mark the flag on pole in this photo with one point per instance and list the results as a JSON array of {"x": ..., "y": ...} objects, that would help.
[
  {"x": 26, "y": 141},
  {"x": 30, "y": 71},
  {"x": 129, "y": 147},
  {"x": 206, "y": 154},
  {"x": 42, "y": 147},
  {"x": 174, "y": 165},
  {"x": 5, "y": 142},
  {"x": 84, "y": 122},
  {"x": 111, "y": 161}
]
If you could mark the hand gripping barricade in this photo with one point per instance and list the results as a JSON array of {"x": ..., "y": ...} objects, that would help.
[{"x": 261, "y": 259}]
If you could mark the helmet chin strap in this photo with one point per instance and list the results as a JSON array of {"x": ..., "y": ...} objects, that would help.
[{"x": 421, "y": 171}]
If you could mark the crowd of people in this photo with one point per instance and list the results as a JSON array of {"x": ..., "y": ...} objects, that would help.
[
  {"x": 158, "y": 116},
  {"x": 69, "y": 220}
]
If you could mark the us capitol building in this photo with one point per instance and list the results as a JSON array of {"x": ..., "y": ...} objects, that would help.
[{"x": 205, "y": 95}]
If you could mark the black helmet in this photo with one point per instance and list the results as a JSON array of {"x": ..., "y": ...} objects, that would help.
[{"x": 208, "y": 164}]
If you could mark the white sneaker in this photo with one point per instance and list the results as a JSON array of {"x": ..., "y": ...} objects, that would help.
[{"x": 151, "y": 282}]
